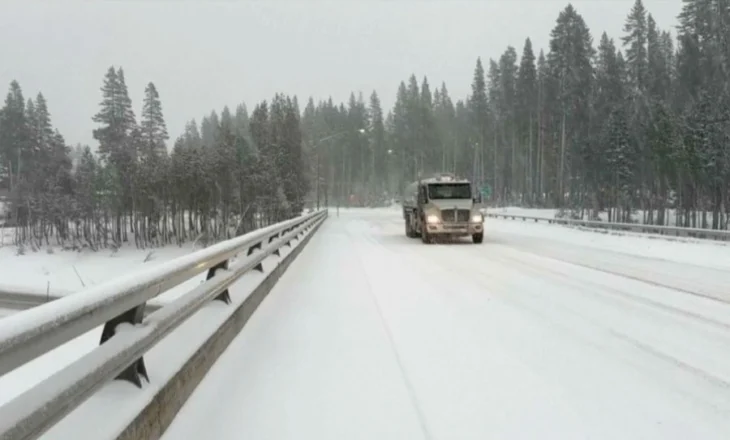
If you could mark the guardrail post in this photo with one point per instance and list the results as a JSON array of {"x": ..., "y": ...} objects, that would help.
[
  {"x": 272, "y": 238},
  {"x": 137, "y": 369},
  {"x": 223, "y": 296},
  {"x": 260, "y": 266},
  {"x": 276, "y": 252}
]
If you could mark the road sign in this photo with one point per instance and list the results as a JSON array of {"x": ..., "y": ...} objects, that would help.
[{"x": 486, "y": 191}]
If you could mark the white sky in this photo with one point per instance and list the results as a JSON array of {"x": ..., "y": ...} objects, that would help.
[{"x": 203, "y": 55}]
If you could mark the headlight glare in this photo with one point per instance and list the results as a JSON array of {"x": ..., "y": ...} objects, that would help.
[
  {"x": 432, "y": 219},
  {"x": 477, "y": 218}
]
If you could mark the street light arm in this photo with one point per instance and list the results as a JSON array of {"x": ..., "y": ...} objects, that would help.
[
  {"x": 339, "y": 133},
  {"x": 315, "y": 146}
]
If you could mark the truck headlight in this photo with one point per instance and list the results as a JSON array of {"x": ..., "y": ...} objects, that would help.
[
  {"x": 432, "y": 219},
  {"x": 477, "y": 218}
]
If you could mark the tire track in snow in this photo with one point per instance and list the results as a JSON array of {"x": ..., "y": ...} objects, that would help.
[
  {"x": 612, "y": 291},
  {"x": 509, "y": 265},
  {"x": 470, "y": 324},
  {"x": 394, "y": 349},
  {"x": 459, "y": 266},
  {"x": 625, "y": 272}
]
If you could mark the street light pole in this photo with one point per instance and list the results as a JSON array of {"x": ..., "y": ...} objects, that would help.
[
  {"x": 342, "y": 177},
  {"x": 317, "y": 146},
  {"x": 342, "y": 182},
  {"x": 318, "y": 178}
]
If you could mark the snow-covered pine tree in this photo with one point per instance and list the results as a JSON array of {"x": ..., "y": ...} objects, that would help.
[
  {"x": 380, "y": 159},
  {"x": 479, "y": 139},
  {"x": 526, "y": 124},
  {"x": 14, "y": 136},
  {"x": 117, "y": 150}
]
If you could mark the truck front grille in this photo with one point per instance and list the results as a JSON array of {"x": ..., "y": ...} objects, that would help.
[{"x": 455, "y": 215}]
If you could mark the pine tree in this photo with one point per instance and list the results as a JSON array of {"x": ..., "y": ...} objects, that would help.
[
  {"x": 569, "y": 59},
  {"x": 445, "y": 115},
  {"x": 479, "y": 109},
  {"x": 14, "y": 143},
  {"x": 129, "y": 121},
  {"x": 506, "y": 108},
  {"x": 635, "y": 43},
  {"x": 526, "y": 110},
  {"x": 400, "y": 138},
  {"x": 241, "y": 121},
  {"x": 154, "y": 129},
  {"x": 209, "y": 127},
  {"x": 297, "y": 185},
  {"x": 429, "y": 137},
  {"x": 380, "y": 158},
  {"x": 117, "y": 148}
]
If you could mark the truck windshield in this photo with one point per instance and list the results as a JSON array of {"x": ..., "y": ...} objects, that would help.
[{"x": 438, "y": 191}]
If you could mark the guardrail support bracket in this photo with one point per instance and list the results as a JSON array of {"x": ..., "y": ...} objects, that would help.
[
  {"x": 253, "y": 248},
  {"x": 259, "y": 266},
  {"x": 137, "y": 369},
  {"x": 223, "y": 296},
  {"x": 135, "y": 372}
]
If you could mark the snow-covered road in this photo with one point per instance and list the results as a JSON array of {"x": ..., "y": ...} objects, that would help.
[{"x": 370, "y": 335}]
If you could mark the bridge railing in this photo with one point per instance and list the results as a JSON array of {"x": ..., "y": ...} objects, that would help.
[
  {"x": 119, "y": 305},
  {"x": 713, "y": 234}
]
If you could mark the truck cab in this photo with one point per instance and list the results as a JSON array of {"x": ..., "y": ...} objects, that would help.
[{"x": 443, "y": 207}]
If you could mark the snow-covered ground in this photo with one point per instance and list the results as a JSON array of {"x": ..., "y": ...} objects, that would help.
[
  {"x": 552, "y": 237},
  {"x": 60, "y": 272},
  {"x": 636, "y": 217},
  {"x": 540, "y": 332},
  {"x": 552, "y": 213}
]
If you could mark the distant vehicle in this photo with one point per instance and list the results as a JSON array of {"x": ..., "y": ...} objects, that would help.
[{"x": 442, "y": 207}]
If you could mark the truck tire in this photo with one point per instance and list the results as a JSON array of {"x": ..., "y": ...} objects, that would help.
[
  {"x": 410, "y": 231},
  {"x": 426, "y": 237},
  {"x": 477, "y": 238}
]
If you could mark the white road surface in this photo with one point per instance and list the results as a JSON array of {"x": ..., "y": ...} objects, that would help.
[{"x": 371, "y": 335}]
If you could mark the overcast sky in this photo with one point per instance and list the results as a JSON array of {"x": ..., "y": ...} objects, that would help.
[{"x": 203, "y": 55}]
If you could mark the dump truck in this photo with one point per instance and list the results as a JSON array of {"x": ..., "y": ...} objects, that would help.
[{"x": 442, "y": 207}]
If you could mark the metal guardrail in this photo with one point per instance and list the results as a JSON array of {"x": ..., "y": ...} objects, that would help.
[
  {"x": 714, "y": 234},
  {"x": 15, "y": 298},
  {"x": 25, "y": 301},
  {"x": 31, "y": 333}
]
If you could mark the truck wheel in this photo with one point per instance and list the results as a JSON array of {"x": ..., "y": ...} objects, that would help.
[
  {"x": 410, "y": 230},
  {"x": 477, "y": 238},
  {"x": 426, "y": 237}
]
